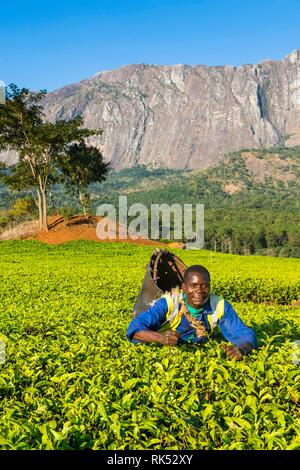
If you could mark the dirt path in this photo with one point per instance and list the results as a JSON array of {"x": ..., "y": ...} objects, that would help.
[{"x": 80, "y": 228}]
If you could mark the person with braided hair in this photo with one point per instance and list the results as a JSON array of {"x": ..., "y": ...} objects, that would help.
[{"x": 189, "y": 315}]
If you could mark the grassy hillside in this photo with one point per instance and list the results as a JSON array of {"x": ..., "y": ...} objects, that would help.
[
  {"x": 251, "y": 199},
  {"x": 71, "y": 379},
  {"x": 265, "y": 176}
]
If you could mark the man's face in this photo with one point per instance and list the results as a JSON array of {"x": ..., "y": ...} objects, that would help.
[{"x": 197, "y": 289}]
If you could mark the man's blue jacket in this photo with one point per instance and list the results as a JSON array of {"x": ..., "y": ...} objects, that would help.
[{"x": 231, "y": 326}]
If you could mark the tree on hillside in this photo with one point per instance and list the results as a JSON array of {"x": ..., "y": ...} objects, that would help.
[
  {"x": 80, "y": 166},
  {"x": 39, "y": 144},
  {"x": 21, "y": 208}
]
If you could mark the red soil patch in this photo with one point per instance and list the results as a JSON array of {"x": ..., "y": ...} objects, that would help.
[{"x": 81, "y": 228}]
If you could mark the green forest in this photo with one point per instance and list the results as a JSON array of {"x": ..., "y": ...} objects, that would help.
[{"x": 251, "y": 199}]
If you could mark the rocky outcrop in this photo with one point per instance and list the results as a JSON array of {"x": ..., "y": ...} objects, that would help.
[{"x": 185, "y": 116}]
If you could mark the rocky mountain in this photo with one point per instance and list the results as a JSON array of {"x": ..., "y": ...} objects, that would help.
[{"x": 185, "y": 117}]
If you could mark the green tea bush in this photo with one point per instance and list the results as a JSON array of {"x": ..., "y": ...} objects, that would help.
[{"x": 71, "y": 379}]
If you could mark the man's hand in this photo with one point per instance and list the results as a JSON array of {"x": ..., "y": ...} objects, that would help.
[
  {"x": 232, "y": 352},
  {"x": 169, "y": 338}
]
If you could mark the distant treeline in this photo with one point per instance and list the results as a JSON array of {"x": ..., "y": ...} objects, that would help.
[{"x": 249, "y": 231}]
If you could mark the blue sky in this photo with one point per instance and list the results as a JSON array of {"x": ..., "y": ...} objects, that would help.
[{"x": 48, "y": 44}]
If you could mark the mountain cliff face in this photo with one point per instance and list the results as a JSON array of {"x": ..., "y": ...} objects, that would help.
[{"x": 185, "y": 116}]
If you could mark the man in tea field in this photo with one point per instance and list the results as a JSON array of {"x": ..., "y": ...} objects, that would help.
[{"x": 190, "y": 315}]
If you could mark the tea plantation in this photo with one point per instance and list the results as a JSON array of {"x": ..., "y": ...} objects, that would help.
[{"x": 71, "y": 380}]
